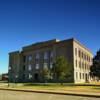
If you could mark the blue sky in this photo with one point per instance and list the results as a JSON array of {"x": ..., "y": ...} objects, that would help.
[{"x": 24, "y": 22}]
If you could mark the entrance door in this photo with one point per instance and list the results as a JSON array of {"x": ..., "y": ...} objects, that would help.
[{"x": 36, "y": 77}]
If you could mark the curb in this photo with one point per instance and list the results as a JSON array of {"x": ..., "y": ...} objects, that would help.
[{"x": 52, "y": 92}]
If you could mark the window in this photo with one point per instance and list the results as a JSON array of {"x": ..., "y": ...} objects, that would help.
[
  {"x": 83, "y": 55},
  {"x": 76, "y": 75},
  {"x": 45, "y": 65},
  {"x": 79, "y": 53},
  {"x": 85, "y": 66},
  {"x": 83, "y": 75},
  {"x": 76, "y": 51},
  {"x": 51, "y": 65},
  {"x": 29, "y": 67},
  {"x": 82, "y": 65},
  {"x": 29, "y": 58},
  {"x": 80, "y": 75},
  {"x": 76, "y": 63},
  {"x": 37, "y": 55},
  {"x": 24, "y": 58},
  {"x": 37, "y": 66},
  {"x": 79, "y": 64},
  {"x": 37, "y": 58},
  {"x": 87, "y": 58},
  {"x": 51, "y": 54},
  {"x": 46, "y": 55}
]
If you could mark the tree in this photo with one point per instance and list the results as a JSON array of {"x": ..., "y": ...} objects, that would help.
[
  {"x": 61, "y": 68},
  {"x": 46, "y": 74},
  {"x": 95, "y": 68}
]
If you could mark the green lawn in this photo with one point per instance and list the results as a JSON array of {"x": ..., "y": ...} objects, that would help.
[{"x": 56, "y": 87}]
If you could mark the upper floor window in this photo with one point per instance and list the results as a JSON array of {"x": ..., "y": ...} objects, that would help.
[
  {"x": 82, "y": 55},
  {"x": 76, "y": 63},
  {"x": 24, "y": 58},
  {"x": 87, "y": 57},
  {"x": 85, "y": 66},
  {"x": 46, "y": 55},
  {"x": 79, "y": 53},
  {"x": 30, "y": 57},
  {"x": 76, "y": 51},
  {"x": 51, "y": 54},
  {"x": 79, "y": 64},
  {"x": 37, "y": 55},
  {"x": 82, "y": 65}
]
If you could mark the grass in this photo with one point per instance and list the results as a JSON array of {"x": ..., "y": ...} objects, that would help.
[{"x": 57, "y": 87}]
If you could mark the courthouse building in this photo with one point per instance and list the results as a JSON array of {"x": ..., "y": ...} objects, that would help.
[{"x": 26, "y": 65}]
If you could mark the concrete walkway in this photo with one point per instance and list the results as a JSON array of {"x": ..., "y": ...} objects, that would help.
[
  {"x": 18, "y": 95},
  {"x": 74, "y": 93}
]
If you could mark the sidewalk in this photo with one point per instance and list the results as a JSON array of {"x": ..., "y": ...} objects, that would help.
[{"x": 59, "y": 92}]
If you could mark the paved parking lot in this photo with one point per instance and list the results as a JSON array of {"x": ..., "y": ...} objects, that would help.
[{"x": 13, "y": 95}]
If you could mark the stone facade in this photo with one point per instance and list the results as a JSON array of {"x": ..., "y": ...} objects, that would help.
[{"x": 26, "y": 66}]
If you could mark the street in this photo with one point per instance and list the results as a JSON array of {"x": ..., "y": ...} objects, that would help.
[{"x": 16, "y": 95}]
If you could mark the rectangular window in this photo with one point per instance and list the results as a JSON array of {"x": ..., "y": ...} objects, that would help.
[
  {"x": 79, "y": 53},
  {"x": 37, "y": 58},
  {"x": 80, "y": 75},
  {"x": 46, "y": 55},
  {"x": 83, "y": 75},
  {"x": 45, "y": 65},
  {"x": 79, "y": 64},
  {"x": 51, "y": 54},
  {"x": 76, "y": 75},
  {"x": 82, "y": 55},
  {"x": 76, "y": 63},
  {"x": 76, "y": 51},
  {"x": 29, "y": 67},
  {"x": 51, "y": 65},
  {"x": 29, "y": 57},
  {"x": 89, "y": 59},
  {"x": 83, "y": 65},
  {"x": 37, "y": 66},
  {"x": 37, "y": 55},
  {"x": 24, "y": 58}
]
